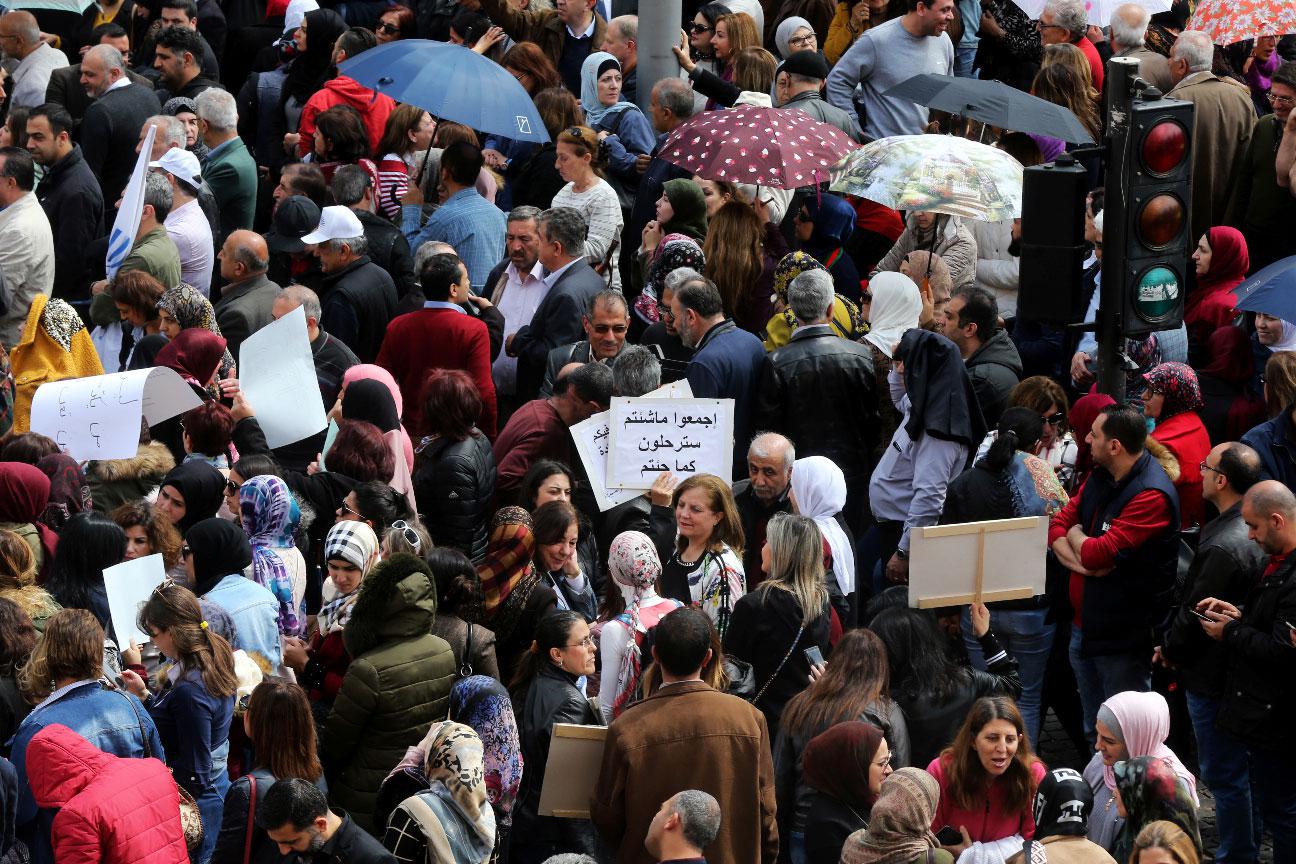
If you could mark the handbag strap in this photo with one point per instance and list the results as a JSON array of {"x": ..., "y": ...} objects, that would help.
[
  {"x": 782, "y": 663},
  {"x": 466, "y": 667},
  {"x": 251, "y": 819},
  {"x": 148, "y": 749}
]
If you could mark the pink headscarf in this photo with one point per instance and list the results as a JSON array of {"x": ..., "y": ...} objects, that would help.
[
  {"x": 1144, "y": 720},
  {"x": 382, "y": 376}
]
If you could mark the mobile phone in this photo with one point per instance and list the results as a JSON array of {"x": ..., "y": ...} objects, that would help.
[
  {"x": 1200, "y": 615},
  {"x": 814, "y": 655},
  {"x": 949, "y": 836}
]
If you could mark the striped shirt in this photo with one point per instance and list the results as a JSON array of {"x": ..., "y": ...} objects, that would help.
[{"x": 602, "y": 211}]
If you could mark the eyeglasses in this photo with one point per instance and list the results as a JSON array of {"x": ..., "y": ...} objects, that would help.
[
  {"x": 389, "y": 28},
  {"x": 185, "y": 551},
  {"x": 665, "y": 312},
  {"x": 1040, "y": 25},
  {"x": 587, "y": 642},
  {"x": 806, "y": 41},
  {"x": 1280, "y": 100},
  {"x": 346, "y": 509},
  {"x": 411, "y": 536},
  {"x": 1203, "y": 466},
  {"x": 1056, "y": 419},
  {"x": 699, "y": 29}
]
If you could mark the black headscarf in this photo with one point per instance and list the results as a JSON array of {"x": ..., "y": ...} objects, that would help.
[
  {"x": 8, "y": 806},
  {"x": 201, "y": 486},
  {"x": 371, "y": 401},
  {"x": 1062, "y": 804},
  {"x": 941, "y": 399},
  {"x": 219, "y": 548},
  {"x": 308, "y": 71}
]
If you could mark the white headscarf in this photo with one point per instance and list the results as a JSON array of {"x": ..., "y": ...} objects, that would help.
[
  {"x": 819, "y": 487},
  {"x": 1288, "y": 340},
  {"x": 896, "y": 307}
]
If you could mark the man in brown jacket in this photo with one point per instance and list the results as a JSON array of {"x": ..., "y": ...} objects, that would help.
[
  {"x": 687, "y": 735},
  {"x": 567, "y": 35}
]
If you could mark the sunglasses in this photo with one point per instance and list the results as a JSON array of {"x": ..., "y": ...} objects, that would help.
[
  {"x": 389, "y": 28},
  {"x": 1056, "y": 419},
  {"x": 411, "y": 536},
  {"x": 231, "y": 488},
  {"x": 185, "y": 552},
  {"x": 345, "y": 509},
  {"x": 698, "y": 29}
]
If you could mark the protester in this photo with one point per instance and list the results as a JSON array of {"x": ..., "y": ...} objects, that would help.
[
  {"x": 1171, "y": 402},
  {"x": 899, "y": 829},
  {"x": 1147, "y": 790},
  {"x": 1061, "y": 808}
]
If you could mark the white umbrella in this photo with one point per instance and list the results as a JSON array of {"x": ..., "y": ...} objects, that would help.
[
  {"x": 1099, "y": 11},
  {"x": 77, "y": 6}
]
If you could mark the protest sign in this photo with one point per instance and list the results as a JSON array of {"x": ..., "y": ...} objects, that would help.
[
  {"x": 575, "y": 759},
  {"x": 949, "y": 564},
  {"x": 129, "y": 585},
  {"x": 682, "y": 436},
  {"x": 99, "y": 417},
  {"x": 277, "y": 377}
]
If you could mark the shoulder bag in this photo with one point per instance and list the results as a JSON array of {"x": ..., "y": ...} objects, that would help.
[{"x": 190, "y": 816}]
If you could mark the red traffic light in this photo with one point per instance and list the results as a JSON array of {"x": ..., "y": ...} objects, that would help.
[
  {"x": 1160, "y": 219},
  {"x": 1165, "y": 146}
]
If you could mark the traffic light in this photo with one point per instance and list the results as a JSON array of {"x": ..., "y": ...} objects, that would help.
[
  {"x": 1147, "y": 244},
  {"x": 1053, "y": 251}
]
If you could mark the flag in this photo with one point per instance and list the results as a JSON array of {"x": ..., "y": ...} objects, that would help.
[{"x": 126, "y": 226}]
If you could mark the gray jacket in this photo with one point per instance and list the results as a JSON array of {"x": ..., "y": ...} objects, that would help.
[{"x": 813, "y": 104}]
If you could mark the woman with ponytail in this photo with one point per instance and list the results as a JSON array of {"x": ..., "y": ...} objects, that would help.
[{"x": 193, "y": 709}]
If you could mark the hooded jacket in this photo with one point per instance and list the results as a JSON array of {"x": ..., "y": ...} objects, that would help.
[
  {"x": 110, "y": 809},
  {"x": 397, "y": 685},
  {"x": 954, "y": 243},
  {"x": 113, "y": 482},
  {"x": 995, "y": 368},
  {"x": 374, "y": 110}
]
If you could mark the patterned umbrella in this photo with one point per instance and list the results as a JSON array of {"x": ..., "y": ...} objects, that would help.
[
  {"x": 782, "y": 148},
  {"x": 1229, "y": 21},
  {"x": 935, "y": 174}
]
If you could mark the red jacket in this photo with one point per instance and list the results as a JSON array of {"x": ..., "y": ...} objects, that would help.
[
  {"x": 418, "y": 342},
  {"x": 345, "y": 91},
  {"x": 1185, "y": 436},
  {"x": 110, "y": 810},
  {"x": 988, "y": 823}
]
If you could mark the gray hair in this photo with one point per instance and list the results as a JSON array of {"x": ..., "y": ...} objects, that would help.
[
  {"x": 678, "y": 277},
  {"x": 424, "y": 253},
  {"x": 218, "y": 109},
  {"x": 350, "y": 184},
  {"x": 300, "y": 295},
  {"x": 676, "y": 96},
  {"x": 157, "y": 194},
  {"x": 1070, "y": 15},
  {"x": 627, "y": 25},
  {"x": 566, "y": 857},
  {"x": 525, "y": 213},
  {"x": 1196, "y": 49},
  {"x": 606, "y": 297},
  {"x": 635, "y": 371},
  {"x": 766, "y": 444},
  {"x": 699, "y": 817},
  {"x": 357, "y": 245},
  {"x": 566, "y": 227},
  {"x": 169, "y": 129},
  {"x": 1129, "y": 23},
  {"x": 109, "y": 56},
  {"x": 810, "y": 295},
  {"x": 26, "y": 26}
]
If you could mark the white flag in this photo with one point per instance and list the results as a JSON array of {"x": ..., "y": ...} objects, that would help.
[{"x": 126, "y": 226}]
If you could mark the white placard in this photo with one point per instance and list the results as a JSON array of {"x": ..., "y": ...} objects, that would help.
[
  {"x": 129, "y": 585},
  {"x": 99, "y": 417},
  {"x": 1000, "y": 559},
  {"x": 682, "y": 436},
  {"x": 277, "y": 377}
]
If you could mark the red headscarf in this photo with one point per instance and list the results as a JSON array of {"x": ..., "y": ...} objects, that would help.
[
  {"x": 837, "y": 762},
  {"x": 195, "y": 354},
  {"x": 1083, "y": 413},
  {"x": 1231, "y": 361},
  {"x": 1211, "y": 303},
  {"x": 24, "y": 494}
]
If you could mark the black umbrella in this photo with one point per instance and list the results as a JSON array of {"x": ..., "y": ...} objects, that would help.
[{"x": 994, "y": 103}]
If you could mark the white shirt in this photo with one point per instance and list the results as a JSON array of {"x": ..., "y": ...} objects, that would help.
[
  {"x": 517, "y": 302},
  {"x": 188, "y": 228},
  {"x": 31, "y": 78}
]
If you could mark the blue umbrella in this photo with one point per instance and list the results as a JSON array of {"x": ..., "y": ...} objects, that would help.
[
  {"x": 1271, "y": 290},
  {"x": 450, "y": 82}
]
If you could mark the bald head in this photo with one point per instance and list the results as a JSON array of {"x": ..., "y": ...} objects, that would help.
[
  {"x": 20, "y": 33},
  {"x": 1129, "y": 23},
  {"x": 1269, "y": 510},
  {"x": 769, "y": 466},
  {"x": 243, "y": 256}
]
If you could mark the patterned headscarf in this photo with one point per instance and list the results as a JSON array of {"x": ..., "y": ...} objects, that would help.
[
  {"x": 270, "y": 516},
  {"x": 1062, "y": 804},
  {"x": 1177, "y": 382},
  {"x": 482, "y": 702},
  {"x": 900, "y": 822},
  {"x": 190, "y": 308},
  {"x": 633, "y": 562},
  {"x": 1151, "y": 790},
  {"x": 675, "y": 251},
  {"x": 61, "y": 322},
  {"x": 455, "y": 769},
  {"x": 506, "y": 572},
  {"x": 69, "y": 492},
  {"x": 356, "y": 543}
]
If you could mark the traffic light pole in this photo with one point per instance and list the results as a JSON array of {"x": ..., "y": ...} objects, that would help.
[{"x": 1121, "y": 75}]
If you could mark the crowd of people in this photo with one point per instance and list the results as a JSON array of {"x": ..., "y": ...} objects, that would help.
[{"x": 361, "y": 650}]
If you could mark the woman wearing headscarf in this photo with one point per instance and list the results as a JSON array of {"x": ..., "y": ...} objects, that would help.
[
  {"x": 483, "y": 704},
  {"x": 514, "y": 598},
  {"x": 451, "y": 821},
  {"x": 623, "y": 130},
  {"x": 195, "y": 355},
  {"x": 69, "y": 493},
  {"x": 896, "y": 308},
  {"x": 1229, "y": 407},
  {"x": 674, "y": 251},
  {"x": 846, "y": 322},
  {"x": 1171, "y": 402},
  {"x": 1222, "y": 263},
  {"x": 54, "y": 345},
  {"x": 24, "y": 495},
  {"x": 824, "y": 226},
  {"x": 1148, "y": 789},
  {"x": 191, "y": 492},
  {"x": 186, "y": 110},
  {"x": 635, "y": 567},
  {"x": 270, "y": 515},
  {"x": 369, "y": 400},
  {"x": 792, "y": 27},
  {"x": 944, "y": 235},
  {"x": 183, "y": 308},
  {"x": 1062, "y": 805},
  {"x": 1129, "y": 725},
  {"x": 844, "y": 768},
  {"x": 899, "y": 830},
  {"x": 819, "y": 493},
  {"x": 368, "y": 371}
]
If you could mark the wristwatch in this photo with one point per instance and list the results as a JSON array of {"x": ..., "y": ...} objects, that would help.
[{"x": 902, "y": 554}]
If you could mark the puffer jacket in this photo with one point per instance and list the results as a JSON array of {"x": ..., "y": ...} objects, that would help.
[
  {"x": 954, "y": 243},
  {"x": 995, "y": 368},
  {"x": 454, "y": 486},
  {"x": 110, "y": 810},
  {"x": 113, "y": 482},
  {"x": 397, "y": 685}
]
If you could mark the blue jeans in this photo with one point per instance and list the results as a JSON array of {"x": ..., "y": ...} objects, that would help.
[
  {"x": 1028, "y": 640},
  {"x": 1100, "y": 678},
  {"x": 1272, "y": 772},
  {"x": 796, "y": 849},
  {"x": 1224, "y": 767},
  {"x": 964, "y": 58}
]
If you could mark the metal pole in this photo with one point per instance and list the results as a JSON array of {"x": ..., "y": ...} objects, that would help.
[
  {"x": 659, "y": 29},
  {"x": 1121, "y": 74}
]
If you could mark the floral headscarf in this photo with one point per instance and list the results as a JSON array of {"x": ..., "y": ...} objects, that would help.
[
  {"x": 1151, "y": 790},
  {"x": 482, "y": 702},
  {"x": 675, "y": 251},
  {"x": 69, "y": 492},
  {"x": 633, "y": 562},
  {"x": 356, "y": 543},
  {"x": 506, "y": 572},
  {"x": 191, "y": 309},
  {"x": 61, "y": 322},
  {"x": 1177, "y": 382},
  {"x": 270, "y": 516},
  {"x": 900, "y": 822}
]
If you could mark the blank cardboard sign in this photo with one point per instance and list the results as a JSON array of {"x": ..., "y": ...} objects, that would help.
[
  {"x": 1002, "y": 559},
  {"x": 575, "y": 759}
]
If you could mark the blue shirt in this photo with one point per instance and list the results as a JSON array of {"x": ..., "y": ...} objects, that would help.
[{"x": 468, "y": 222}]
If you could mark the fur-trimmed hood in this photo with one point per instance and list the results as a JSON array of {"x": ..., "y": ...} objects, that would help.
[
  {"x": 397, "y": 601},
  {"x": 151, "y": 460},
  {"x": 1162, "y": 454}
]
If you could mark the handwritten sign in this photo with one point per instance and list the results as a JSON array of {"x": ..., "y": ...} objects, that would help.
[
  {"x": 99, "y": 417},
  {"x": 129, "y": 585},
  {"x": 682, "y": 436},
  {"x": 278, "y": 380}
]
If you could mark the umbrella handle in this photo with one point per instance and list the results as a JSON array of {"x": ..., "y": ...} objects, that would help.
[{"x": 418, "y": 181}]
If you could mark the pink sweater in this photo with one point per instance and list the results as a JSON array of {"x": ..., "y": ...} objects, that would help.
[{"x": 988, "y": 823}]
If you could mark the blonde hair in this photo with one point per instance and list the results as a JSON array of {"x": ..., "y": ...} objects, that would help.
[
  {"x": 71, "y": 647},
  {"x": 796, "y": 563},
  {"x": 1168, "y": 836}
]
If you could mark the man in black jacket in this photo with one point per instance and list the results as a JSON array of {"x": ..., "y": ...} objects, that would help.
[
  {"x": 606, "y": 322},
  {"x": 762, "y": 494},
  {"x": 298, "y": 820},
  {"x": 1223, "y": 567},
  {"x": 388, "y": 248},
  {"x": 70, "y": 195},
  {"x": 834, "y": 416},
  {"x": 971, "y": 321},
  {"x": 359, "y": 297},
  {"x": 1259, "y": 700},
  {"x": 111, "y": 127}
]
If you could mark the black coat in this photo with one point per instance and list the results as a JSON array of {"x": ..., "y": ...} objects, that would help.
[
  {"x": 536, "y": 181},
  {"x": 551, "y": 698},
  {"x": 454, "y": 486},
  {"x": 389, "y": 249},
  {"x": 995, "y": 368},
  {"x": 557, "y": 321},
  {"x": 828, "y": 824},
  {"x": 109, "y": 132},
  {"x": 70, "y": 195},
  {"x": 359, "y": 301}
]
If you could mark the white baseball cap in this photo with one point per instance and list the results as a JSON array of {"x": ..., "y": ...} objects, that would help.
[
  {"x": 180, "y": 163},
  {"x": 296, "y": 13},
  {"x": 336, "y": 223}
]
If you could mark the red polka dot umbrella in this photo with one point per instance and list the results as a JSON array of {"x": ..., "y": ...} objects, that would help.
[{"x": 782, "y": 148}]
